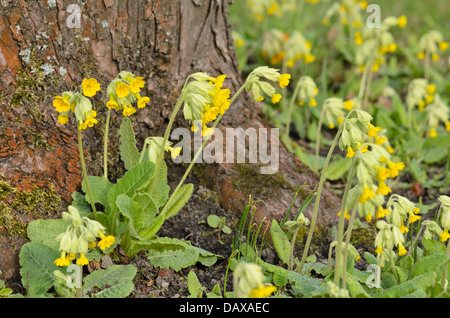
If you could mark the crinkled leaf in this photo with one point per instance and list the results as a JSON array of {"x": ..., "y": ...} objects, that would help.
[
  {"x": 99, "y": 189},
  {"x": 129, "y": 152},
  {"x": 37, "y": 267},
  {"x": 280, "y": 242},
  {"x": 114, "y": 282},
  {"x": 135, "y": 179},
  {"x": 46, "y": 231}
]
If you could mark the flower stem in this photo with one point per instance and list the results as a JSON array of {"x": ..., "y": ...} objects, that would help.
[
  {"x": 316, "y": 206},
  {"x": 319, "y": 127},
  {"x": 83, "y": 166},
  {"x": 347, "y": 243},
  {"x": 167, "y": 205},
  {"x": 166, "y": 135},
  {"x": 105, "y": 145},
  {"x": 291, "y": 105},
  {"x": 78, "y": 281},
  {"x": 351, "y": 174}
]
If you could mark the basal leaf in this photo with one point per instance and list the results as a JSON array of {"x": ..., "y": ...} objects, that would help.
[
  {"x": 37, "y": 267},
  {"x": 99, "y": 189},
  {"x": 135, "y": 179},
  {"x": 179, "y": 200},
  {"x": 114, "y": 282},
  {"x": 129, "y": 152},
  {"x": 280, "y": 242},
  {"x": 46, "y": 231}
]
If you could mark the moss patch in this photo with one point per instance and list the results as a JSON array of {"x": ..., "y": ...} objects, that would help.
[{"x": 17, "y": 208}]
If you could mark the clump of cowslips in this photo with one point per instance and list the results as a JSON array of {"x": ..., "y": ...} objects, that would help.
[
  {"x": 296, "y": 48},
  {"x": 80, "y": 235},
  {"x": 388, "y": 237},
  {"x": 401, "y": 210},
  {"x": 204, "y": 100},
  {"x": 248, "y": 282},
  {"x": 374, "y": 43},
  {"x": 420, "y": 94},
  {"x": 260, "y": 88},
  {"x": 260, "y": 8},
  {"x": 272, "y": 46},
  {"x": 349, "y": 12},
  {"x": 430, "y": 44},
  {"x": 437, "y": 112},
  {"x": 373, "y": 166},
  {"x": 124, "y": 91},
  {"x": 78, "y": 104},
  {"x": 307, "y": 91}
]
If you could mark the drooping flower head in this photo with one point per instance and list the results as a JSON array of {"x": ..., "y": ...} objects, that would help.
[
  {"x": 124, "y": 91},
  {"x": 80, "y": 235},
  {"x": 204, "y": 100}
]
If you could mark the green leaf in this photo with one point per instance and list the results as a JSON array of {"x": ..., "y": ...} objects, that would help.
[
  {"x": 305, "y": 284},
  {"x": 129, "y": 152},
  {"x": 179, "y": 200},
  {"x": 135, "y": 179},
  {"x": 99, "y": 189},
  {"x": 79, "y": 202},
  {"x": 433, "y": 246},
  {"x": 338, "y": 168},
  {"x": 355, "y": 288},
  {"x": 430, "y": 263},
  {"x": 131, "y": 210},
  {"x": 177, "y": 254},
  {"x": 161, "y": 189},
  {"x": 213, "y": 221},
  {"x": 46, "y": 231},
  {"x": 114, "y": 282},
  {"x": 151, "y": 230},
  {"x": 194, "y": 287},
  {"x": 37, "y": 267},
  {"x": 435, "y": 154},
  {"x": 280, "y": 277},
  {"x": 280, "y": 242}
]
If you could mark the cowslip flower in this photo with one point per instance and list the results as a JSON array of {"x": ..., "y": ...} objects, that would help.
[
  {"x": 79, "y": 236},
  {"x": 307, "y": 91},
  {"x": 445, "y": 219},
  {"x": 437, "y": 112},
  {"x": 154, "y": 145},
  {"x": 77, "y": 104},
  {"x": 248, "y": 281},
  {"x": 259, "y": 87},
  {"x": 204, "y": 101},
  {"x": 124, "y": 91},
  {"x": 430, "y": 44},
  {"x": 90, "y": 87}
]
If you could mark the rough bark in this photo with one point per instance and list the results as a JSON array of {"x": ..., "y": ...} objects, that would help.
[{"x": 163, "y": 41}]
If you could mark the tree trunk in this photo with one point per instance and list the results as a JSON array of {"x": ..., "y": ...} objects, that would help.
[{"x": 43, "y": 52}]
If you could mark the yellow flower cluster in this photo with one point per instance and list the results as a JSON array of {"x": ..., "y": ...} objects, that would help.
[
  {"x": 349, "y": 12},
  {"x": 204, "y": 100},
  {"x": 154, "y": 145},
  {"x": 374, "y": 43},
  {"x": 280, "y": 47},
  {"x": 259, "y": 87},
  {"x": 123, "y": 91},
  {"x": 430, "y": 44},
  {"x": 80, "y": 235},
  {"x": 248, "y": 281},
  {"x": 373, "y": 166},
  {"x": 307, "y": 91},
  {"x": 78, "y": 104}
]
